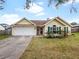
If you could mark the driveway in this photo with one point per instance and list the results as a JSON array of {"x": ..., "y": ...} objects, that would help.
[{"x": 13, "y": 47}]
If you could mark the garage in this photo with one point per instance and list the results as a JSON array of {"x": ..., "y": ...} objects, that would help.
[
  {"x": 23, "y": 31},
  {"x": 23, "y": 27}
]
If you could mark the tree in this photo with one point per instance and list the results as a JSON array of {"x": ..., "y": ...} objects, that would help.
[
  {"x": 1, "y": 4},
  {"x": 73, "y": 23},
  {"x": 58, "y": 2}
]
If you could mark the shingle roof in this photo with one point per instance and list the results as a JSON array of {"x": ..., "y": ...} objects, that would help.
[
  {"x": 43, "y": 22},
  {"x": 22, "y": 25},
  {"x": 63, "y": 21},
  {"x": 77, "y": 25},
  {"x": 39, "y": 22}
]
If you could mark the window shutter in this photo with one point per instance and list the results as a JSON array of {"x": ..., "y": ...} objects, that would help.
[
  {"x": 67, "y": 29},
  {"x": 59, "y": 30},
  {"x": 49, "y": 29},
  {"x": 64, "y": 29}
]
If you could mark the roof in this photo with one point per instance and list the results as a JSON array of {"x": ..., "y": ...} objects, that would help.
[
  {"x": 64, "y": 21},
  {"x": 6, "y": 26},
  {"x": 43, "y": 22},
  {"x": 23, "y": 24},
  {"x": 59, "y": 20},
  {"x": 39, "y": 22},
  {"x": 2, "y": 28},
  {"x": 77, "y": 25}
]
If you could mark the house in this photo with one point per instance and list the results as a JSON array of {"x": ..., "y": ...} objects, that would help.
[
  {"x": 1, "y": 28},
  {"x": 75, "y": 28},
  {"x": 6, "y": 28},
  {"x": 39, "y": 27}
]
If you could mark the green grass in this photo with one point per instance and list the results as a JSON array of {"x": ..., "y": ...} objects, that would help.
[
  {"x": 43, "y": 48},
  {"x": 3, "y": 37}
]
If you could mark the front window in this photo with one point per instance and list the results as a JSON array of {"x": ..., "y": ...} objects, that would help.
[
  {"x": 66, "y": 29},
  {"x": 54, "y": 28},
  {"x": 59, "y": 30}
]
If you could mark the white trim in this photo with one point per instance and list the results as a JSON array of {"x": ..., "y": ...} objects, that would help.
[
  {"x": 58, "y": 20},
  {"x": 26, "y": 20}
]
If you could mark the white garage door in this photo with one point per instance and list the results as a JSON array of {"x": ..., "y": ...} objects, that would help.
[{"x": 23, "y": 31}]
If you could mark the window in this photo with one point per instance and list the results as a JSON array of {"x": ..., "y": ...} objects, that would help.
[
  {"x": 54, "y": 28},
  {"x": 59, "y": 30},
  {"x": 66, "y": 29},
  {"x": 49, "y": 29}
]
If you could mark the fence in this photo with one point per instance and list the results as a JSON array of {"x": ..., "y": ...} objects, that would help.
[{"x": 5, "y": 32}]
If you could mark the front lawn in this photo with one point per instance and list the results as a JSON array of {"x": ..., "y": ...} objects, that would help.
[
  {"x": 3, "y": 36},
  {"x": 43, "y": 48}
]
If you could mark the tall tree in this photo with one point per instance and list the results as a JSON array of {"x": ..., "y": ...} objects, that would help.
[
  {"x": 1, "y": 4},
  {"x": 57, "y": 3},
  {"x": 73, "y": 23}
]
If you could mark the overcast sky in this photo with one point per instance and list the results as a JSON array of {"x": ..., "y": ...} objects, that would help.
[{"x": 14, "y": 11}]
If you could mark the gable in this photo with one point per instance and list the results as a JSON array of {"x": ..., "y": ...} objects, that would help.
[
  {"x": 58, "y": 21},
  {"x": 23, "y": 22},
  {"x": 54, "y": 22},
  {"x": 63, "y": 22}
]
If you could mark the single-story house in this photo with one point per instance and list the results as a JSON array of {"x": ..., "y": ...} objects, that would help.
[
  {"x": 75, "y": 28},
  {"x": 39, "y": 27},
  {"x": 1, "y": 28},
  {"x": 6, "y": 29}
]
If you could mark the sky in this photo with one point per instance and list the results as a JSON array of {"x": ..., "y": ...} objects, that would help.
[{"x": 14, "y": 10}]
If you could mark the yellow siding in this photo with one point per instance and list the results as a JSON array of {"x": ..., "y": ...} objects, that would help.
[
  {"x": 69, "y": 27},
  {"x": 24, "y": 22},
  {"x": 63, "y": 23},
  {"x": 55, "y": 22}
]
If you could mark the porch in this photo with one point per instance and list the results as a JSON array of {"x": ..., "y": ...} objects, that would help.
[{"x": 40, "y": 31}]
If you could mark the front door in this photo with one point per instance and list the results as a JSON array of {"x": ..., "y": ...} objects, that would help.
[{"x": 39, "y": 30}]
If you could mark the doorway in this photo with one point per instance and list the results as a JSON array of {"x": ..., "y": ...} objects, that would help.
[{"x": 39, "y": 30}]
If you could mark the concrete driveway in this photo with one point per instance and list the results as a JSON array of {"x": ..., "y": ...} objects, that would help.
[{"x": 13, "y": 47}]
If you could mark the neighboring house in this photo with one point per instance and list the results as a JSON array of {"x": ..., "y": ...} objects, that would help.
[
  {"x": 75, "y": 28},
  {"x": 7, "y": 28},
  {"x": 1, "y": 28},
  {"x": 39, "y": 27}
]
